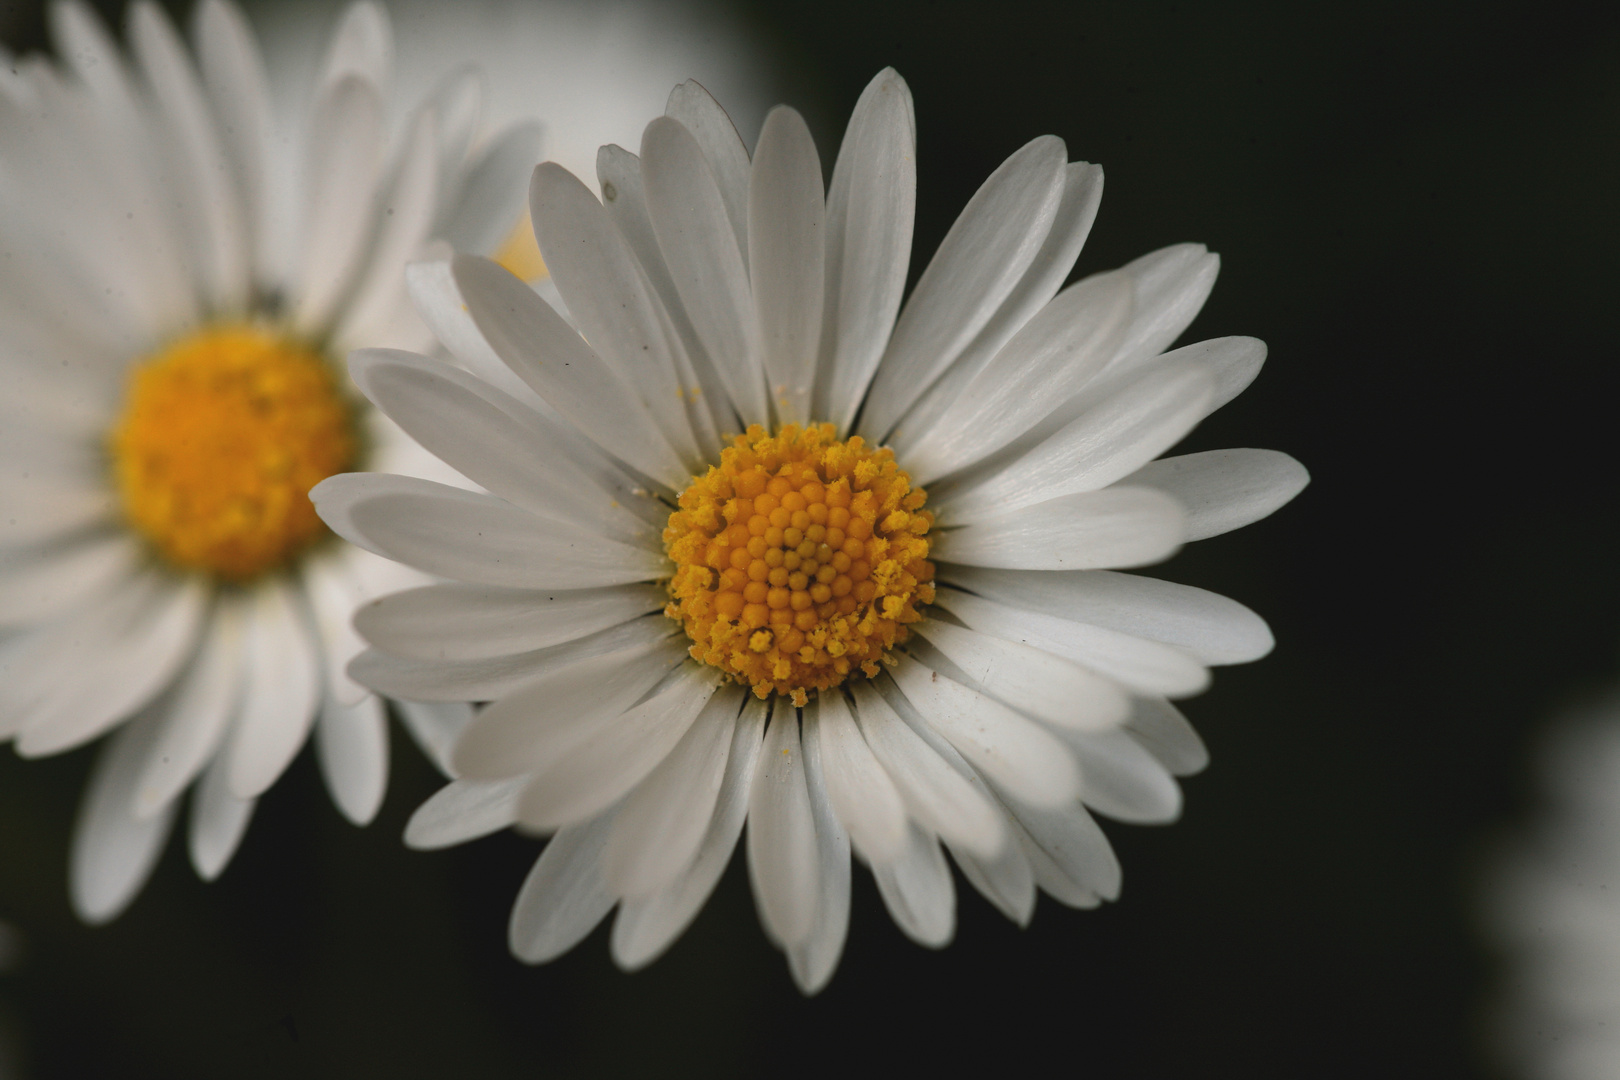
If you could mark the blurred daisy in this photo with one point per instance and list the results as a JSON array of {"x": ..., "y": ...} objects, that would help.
[
  {"x": 680, "y": 630},
  {"x": 1555, "y": 904},
  {"x": 178, "y": 274}
]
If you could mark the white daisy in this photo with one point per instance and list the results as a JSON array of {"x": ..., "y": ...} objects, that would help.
[
  {"x": 178, "y": 273},
  {"x": 967, "y": 674},
  {"x": 1555, "y": 904}
]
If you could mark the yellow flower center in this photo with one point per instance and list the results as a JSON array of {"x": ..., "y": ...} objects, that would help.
[
  {"x": 799, "y": 559},
  {"x": 222, "y": 435}
]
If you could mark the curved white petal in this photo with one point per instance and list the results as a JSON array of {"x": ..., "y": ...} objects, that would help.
[
  {"x": 1171, "y": 285},
  {"x": 475, "y": 538},
  {"x": 435, "y": 726},
  {"x": 548, "y": 355},
  {"x": 782, "y": 858},
  {"x": 346, "y": 150},
  {"x": 1012, "y": 751},
  {"x": 610, "y": 760},
  {"x": 865, "y": 800},
  {"x": 233, "y": 73},
  {"x": 219, "y": 820},
  {"x": 871, "y": 205},
  {"x": 281, "y": 693},
  {"x": 1166, "y": 734},
  {"x": 563, "y": 897},
  {"x": 1070, "y": 855},
  {"x": 464, "y": 810},
  {"x": 786, "y": 259},
  {"x": 1007, "y": 881},
  {"x": 1031, "y": 680},
  {"x": 362, "y": 47},
  {"x": 646, "y": 926},
  {"x": 917, "y": 890},
  {"x": 1086, "y": 530},
  {"x": 476, "y": 622},
  {"x": 662, "y": 822},
  {"x": 1207, "y": 625},
  {"x": 1142, "y": 665},
  {"x": 935, "y": 794},
  {"x": 491, "y": 194},
  {"x": 701, "y": 251},
  {"x": 722, "y": 147},
  {"x": 978, "y": 264},
  {"x": 813, "y": 961},
  {"x": 1123, "y": 780},
  {"x": 37, "y": 585},
  {"x": 351, "y": 744},
  {"x": 113, "y": 850},
  {"x": 1222, "y": 490}
]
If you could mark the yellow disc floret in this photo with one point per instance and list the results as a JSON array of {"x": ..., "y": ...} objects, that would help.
[
  {"x": 222, "y": 436},
  {"x": 799, "y": 559}
]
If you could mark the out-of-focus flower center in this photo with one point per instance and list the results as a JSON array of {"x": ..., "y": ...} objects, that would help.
[
  {"x": 799, "y": 559},
  {"x": 222, "y": 435}
]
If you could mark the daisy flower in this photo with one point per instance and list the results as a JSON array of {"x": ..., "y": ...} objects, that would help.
[
  {"x": 884, "y": 619},
  {"x": 179, "y": 273},
  {"x": 1554, "y": 902}
]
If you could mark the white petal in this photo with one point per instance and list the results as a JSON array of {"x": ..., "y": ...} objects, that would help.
[
  {"x": 496, "y": 677},
  {"x": 281, "y": 695},
  {"x": 563, "y": 897},
  {"x": 1008, "y": 881},
  {"x": 865, "y": 800},
  {"x": 1142, "y": 665},
  {"x": 610, "y": 299},
  {"x": 1069, "y": 853},
  {"x": 1123, "y": 780},
  {"x": 464, "y": 810},
  {"x": 1048, "y": 361},
  {"x": 198, "y": 708},
  {"x": 603, "y": 767},
  {"x": 814, "y": 961},
  {"x": 1131, "y": 425},
  {"x": 870, "y": 210},
  {"x": 233, "y": 73},
  {"x": 1171, "y": 287},
  {"x": 1087, "y": 530},
  {"x": 40, "y": 584},
  {"x": 403, "y": 216},
  {"x": 532, "y": 727},
  {"x": 435, "y": 726},
  {"x": 219, "y": 820},
  {"x": 476, "y": 538},
  {"x": 935, "y": 794},
  {"x": 41, "y": 511},
  {"x": 663, "y": 820},
  {"x": 475, "y": 622},
  {"x": 549, "y": 356},
  {"x": 978, "y": 264},
  {"x": 1234, "y": 361},
  {"x": 362, "y": 46},
  {"x": 1003, "y": 746},
  {"x": 723, "y": 148},
  {"x": 1082, "y": 190},
  {"x": 142, "y": 655},
  {"x": 490, "y": 197},
  {"x": 334, "y": 590},
  {"x": 1160, "y": 727},
  {"x": 782, "y": 858},
  {"x": 786, "y": 258},
  {"x": 700, "y": 249},
  {"x": 1207, "y": 625},
  {"x": 433, "y": 291},
  {"x": 202, "y": 170},
  {"x": 113, "y": 850},
  {"x": 647, "y": 926},
  {"x": 1223, "y": 490},
  {"x": 346, "y": 140},
  {"x": 492, "y": 439},
  {"x": 1045, "y": 686},
  {"x": 351, "y": 744},
  {"x": 917, "y": 890}
]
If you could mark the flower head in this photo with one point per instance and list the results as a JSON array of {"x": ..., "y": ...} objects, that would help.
[
  {"x": 180, "y": 273},
  {"x": 758, "y": 545}
]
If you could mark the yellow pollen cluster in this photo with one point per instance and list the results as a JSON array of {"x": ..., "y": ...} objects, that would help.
[
  {"x": 799, "y": 559},
  {"x": 221, "y": 438}
]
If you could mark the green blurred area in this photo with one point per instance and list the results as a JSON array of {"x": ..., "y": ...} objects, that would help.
[{"x": 1416, "y": 209}]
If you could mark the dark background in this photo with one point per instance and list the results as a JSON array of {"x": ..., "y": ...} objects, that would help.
[{"x": 1416, "y": 209}]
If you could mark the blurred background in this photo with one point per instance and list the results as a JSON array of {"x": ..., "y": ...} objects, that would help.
[{"x": 1416, "y": 207}]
